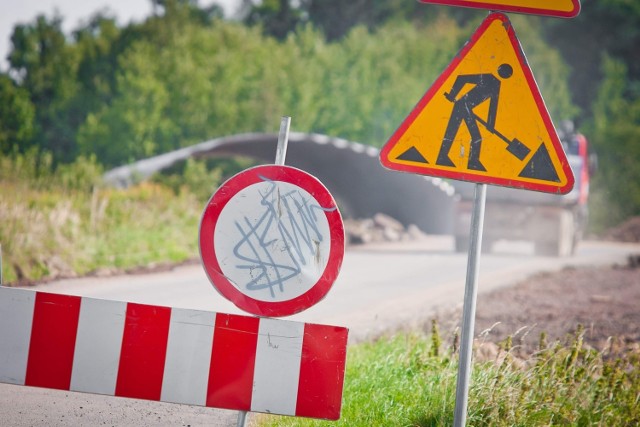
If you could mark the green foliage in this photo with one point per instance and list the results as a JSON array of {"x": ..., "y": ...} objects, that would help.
[
  {"x": 59, "y": 222},
  {"x": 17, "y": 114},
  {"x": 372, "y": 84},
  {"x": 560, "y": 385},
  {"x": 178, "y": 95},
  {"x": 97, "y": 44},
  {"x": 126, "y": 129},
  {"x": 346, "y": 69},
  {"x": 397, "y": 381},
  {"x": 35, "y": 170},
  {"x": 193, "y": 177},
  {"x": 335, "y": 18},
  {"x": 277, "y": 18},
  {"x": 179, "y": 78},
  {"x": 146, "y": 224},
  {"x": 615, "y": 132},
  {"x": 46, "y": 66},
  {"x": 603, "y": 27}
]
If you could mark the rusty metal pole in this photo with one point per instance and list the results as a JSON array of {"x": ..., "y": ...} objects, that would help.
[
  {"x": 281, "y": 154},
  {"x": 469, "y": 308}
]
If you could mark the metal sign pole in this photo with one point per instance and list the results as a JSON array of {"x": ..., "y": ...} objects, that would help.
[
  {"x": 283, "y": 140},
  {"x": 242, "y": 418},
  {"x": 469, "y": 308},
  {"x": 281, "y": 154}
]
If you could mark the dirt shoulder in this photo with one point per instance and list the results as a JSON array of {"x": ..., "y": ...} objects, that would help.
[{"x": 604, "y": 300}]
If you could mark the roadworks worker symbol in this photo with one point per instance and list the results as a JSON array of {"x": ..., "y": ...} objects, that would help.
[{"x": 483, "y": 121}]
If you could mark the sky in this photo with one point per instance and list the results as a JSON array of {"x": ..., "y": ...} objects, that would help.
[{"x": 76, "y": 12}]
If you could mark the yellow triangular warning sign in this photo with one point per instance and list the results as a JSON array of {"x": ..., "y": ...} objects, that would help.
[{"x": 483, "y": 121}]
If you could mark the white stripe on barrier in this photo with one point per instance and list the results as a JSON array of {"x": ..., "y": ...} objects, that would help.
[
  {"x": 277, "y": 368},
  {"x": 98, "y": 342},
  {"x": 186, "y": 370},
  {"x": 16, "y": 319}
]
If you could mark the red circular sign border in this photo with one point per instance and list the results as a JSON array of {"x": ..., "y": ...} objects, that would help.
[{"x": 210, "y": 217}]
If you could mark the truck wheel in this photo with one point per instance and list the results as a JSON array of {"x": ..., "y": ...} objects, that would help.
[{"x": 565, "y": 242}]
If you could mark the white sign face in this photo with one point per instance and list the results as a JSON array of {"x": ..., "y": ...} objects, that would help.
[{"x": 272, "y": 241}]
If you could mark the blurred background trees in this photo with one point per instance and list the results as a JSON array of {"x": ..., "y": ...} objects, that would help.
[{"x": 348, "y": 69}]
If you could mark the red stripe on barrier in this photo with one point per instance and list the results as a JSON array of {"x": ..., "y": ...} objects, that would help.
[
  {"x": 232, "y": 362},
  {"x": 324, "y": 352},
  {"x": 53, "y": 340},
  {"x": 144, "y": 349}
]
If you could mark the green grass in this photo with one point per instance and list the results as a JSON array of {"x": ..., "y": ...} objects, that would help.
[
  {"x": 65, "y": 223},
  {"x": 46, "y": 234},
  {"x": 404, "y": 381}
]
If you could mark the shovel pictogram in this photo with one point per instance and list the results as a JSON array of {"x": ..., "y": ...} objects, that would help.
[{"x": 514, "y": 146}]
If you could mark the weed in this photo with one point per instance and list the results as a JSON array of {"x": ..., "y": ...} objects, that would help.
[
  {"x": 397, "y": 382},
  {"x": 61, "y": 223}
]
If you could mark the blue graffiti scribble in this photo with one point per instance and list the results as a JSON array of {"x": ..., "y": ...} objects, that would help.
[{"x": 289, "y": 224}]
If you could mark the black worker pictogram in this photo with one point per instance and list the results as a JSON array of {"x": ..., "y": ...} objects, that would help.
[{"x": 486, "y": 87}]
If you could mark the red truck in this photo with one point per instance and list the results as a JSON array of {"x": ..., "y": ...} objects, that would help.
[{"x": 555, "y": 224}]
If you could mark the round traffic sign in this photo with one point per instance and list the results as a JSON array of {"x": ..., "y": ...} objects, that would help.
[{"x": 272, "y": 240}]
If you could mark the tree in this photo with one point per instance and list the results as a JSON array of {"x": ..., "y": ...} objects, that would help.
[
  {"x": 604, "y": 27},
  {"x": 98, "y": 48},
  {"x": 615, "y": 133},
  {"x": 16, "y": 116},
  {"x": 336, "y": 18},
  {"x": 188, "y": 10},
  {"x": 197, "y": 86},
  {"x": 44, "y": 65},
  {"x": 602, "y": 47},
  {"x": 127, "y": 128},
  {"x": 277, "y": 18}
]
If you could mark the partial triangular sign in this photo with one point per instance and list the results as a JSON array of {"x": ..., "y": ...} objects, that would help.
[
  {"x": 559, "y": 8},
  {"x": 483, "y": 121}
]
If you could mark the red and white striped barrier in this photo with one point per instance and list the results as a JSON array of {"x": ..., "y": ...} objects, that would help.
[{"x": 171, "y": 355}]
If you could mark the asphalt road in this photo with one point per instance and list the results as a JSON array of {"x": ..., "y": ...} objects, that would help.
[{"x": 380, "y": 288}]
